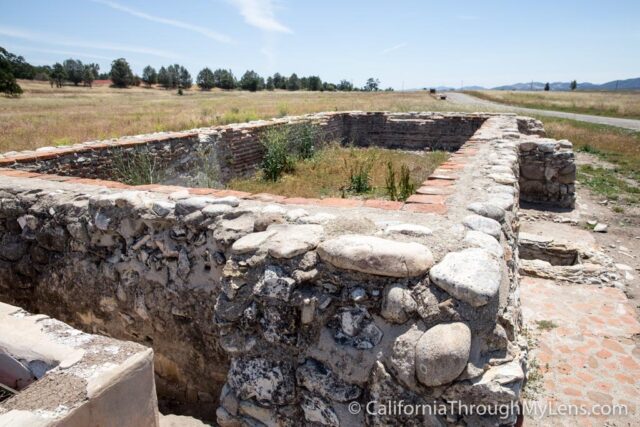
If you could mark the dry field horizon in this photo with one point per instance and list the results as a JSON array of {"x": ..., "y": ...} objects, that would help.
[
  {"x": 611, "y": 104},
  {"x": 45, "y": 116}
]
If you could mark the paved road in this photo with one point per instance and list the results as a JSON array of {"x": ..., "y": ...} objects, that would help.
[{"x": 463, "y": 98}]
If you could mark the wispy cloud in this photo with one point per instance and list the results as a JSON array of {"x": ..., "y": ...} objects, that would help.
[
  {"x": 260, "y": 14},
  {"x": 61, "y": 52},
  {"x": 65, "y": 41},
  {"x": 171, "y": 22},
  {"x": 392, "y": 48}
]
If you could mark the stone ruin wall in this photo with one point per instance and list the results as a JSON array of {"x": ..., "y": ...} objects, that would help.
[
  {"x": 274, "y": 313},
  {"x": 237, "y": 148},
  {"x": 548, "y": 173}
]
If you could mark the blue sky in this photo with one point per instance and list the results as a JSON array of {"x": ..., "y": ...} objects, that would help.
[{"x": 403, "y": 43}]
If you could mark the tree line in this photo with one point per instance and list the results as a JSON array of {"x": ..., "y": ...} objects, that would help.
[{"x": 174, "y": 76}]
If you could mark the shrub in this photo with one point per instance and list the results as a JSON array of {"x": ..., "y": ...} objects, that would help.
[
  {"x": 136, "y": 167},
  {"x": 407, "y": 186},
  {"x": 359, "y": 179},
  {"x": 303, "y": 137},
  {"x": 390, "y": 182},
  {"x": 360, "y": 175},
  {"x": 277, "y": 157}
]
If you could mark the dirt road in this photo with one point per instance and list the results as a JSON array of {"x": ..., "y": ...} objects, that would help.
[{"x": 463, "y": 98}]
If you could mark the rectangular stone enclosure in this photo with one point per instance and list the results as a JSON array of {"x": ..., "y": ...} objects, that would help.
[{"x": 275, "y": 309}]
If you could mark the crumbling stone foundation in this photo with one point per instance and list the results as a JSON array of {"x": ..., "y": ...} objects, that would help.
[{"x": 263, "y": 310}]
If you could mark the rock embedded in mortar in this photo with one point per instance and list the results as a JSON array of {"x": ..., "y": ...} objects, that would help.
[
  {"x": 397, "y": 304},
  {"x": 213, "y": 211},
  {"x": 480, "y": 223},
  {"x": 402, "y": 359},
  {"x": 318, "y": 378},
  {"x": 484, "y": 241},
  {"x": 251, "y": 242},
  {"x": 290, "y": 240},
  {"x": 373, "y": 255},
  {"x": 413, "y": 230},
  {"x": 318, "y": 411},
  {"x": 471, "y": 275},
  {"x": 268, "y": 381},
  {"x": 488, "y": 210},
  {"x": 442, "y": 353}
]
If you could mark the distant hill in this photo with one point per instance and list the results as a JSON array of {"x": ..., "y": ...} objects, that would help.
[
  {"x": 628, "y": 84},
  {"x": 448, "y": 88}
]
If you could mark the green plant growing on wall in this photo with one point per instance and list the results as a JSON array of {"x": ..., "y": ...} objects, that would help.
[{"x": 136, "y": 167}]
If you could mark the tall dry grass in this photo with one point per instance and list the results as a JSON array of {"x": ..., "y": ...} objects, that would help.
[
  {"x": 612, "y": 104},
  {"x": 44, "y": 116}
]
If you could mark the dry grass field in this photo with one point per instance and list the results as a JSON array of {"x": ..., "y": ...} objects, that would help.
[
  {"x": 43, "y": 116},
  {"x": 612, "y": 104}
]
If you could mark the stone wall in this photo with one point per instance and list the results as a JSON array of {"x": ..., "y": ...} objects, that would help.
[
  {"x": 236, "y": 150},
  {"x": 288, "y": 315},
  {"x": 547, "y": 172}
]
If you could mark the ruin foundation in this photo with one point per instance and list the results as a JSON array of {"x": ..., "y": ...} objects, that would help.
[
  {"x": 273, "y": 309},
  {"x": 65, "y": 377}
]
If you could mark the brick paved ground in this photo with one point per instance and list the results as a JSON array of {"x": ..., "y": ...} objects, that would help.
[{"x": 590, "y": 355}]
